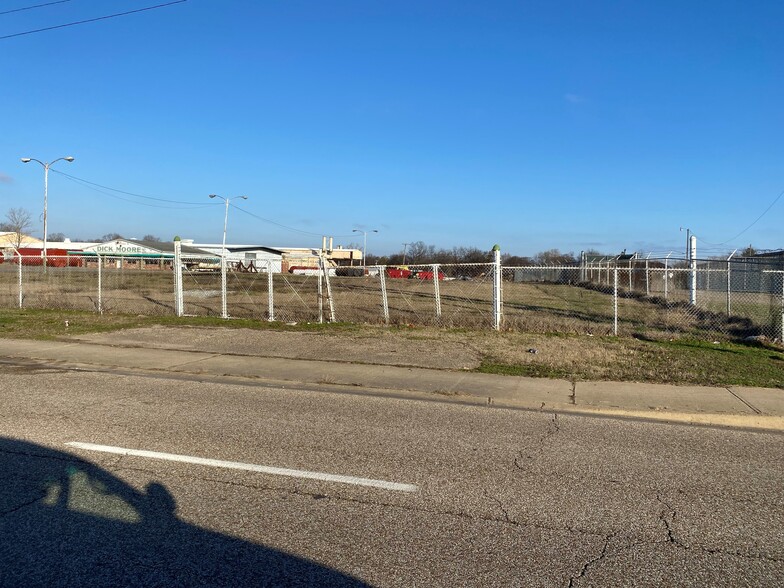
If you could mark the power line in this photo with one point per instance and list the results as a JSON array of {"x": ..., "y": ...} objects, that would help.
[
  {"x": 772, "y": 204},
  {"x": 74, "y": 178},
  {"x": 282, "y": 226},
  {"x": 71, "y": 24},
  {"x": 184, "y": 204},
  {"x": 31, "y": 7},
  {"x": 91, "y": 186}
]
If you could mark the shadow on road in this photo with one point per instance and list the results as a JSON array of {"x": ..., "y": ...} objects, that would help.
[{"x": 67, "y": 522}]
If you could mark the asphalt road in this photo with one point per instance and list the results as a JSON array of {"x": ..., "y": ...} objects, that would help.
[{"x": 432, "y": 494}]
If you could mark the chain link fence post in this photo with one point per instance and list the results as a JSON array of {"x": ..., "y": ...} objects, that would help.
[
  {"x": 729, "y": 284},
  {"x": 320, "y": 289},
  {"x": 179, "y": 309},
  {"x": 324, "y": 270},
  {"x": 615, "y": 301},
  {"x": 781, "y": 277},
  {"x": 224, "y": 287},
  {"x": 382, "y": 271},
  {"x": 666, "y": 275},
  {"x": 270, "y": 293},
  {"x": 436, "y": 291},
  {"x": 21, "y": 290},
  {"x": 497, "y": 295},
  {"x": 100, "y": 285},
  {"x": 778, "y": 274},
  {"x": 693, "y": 267}
]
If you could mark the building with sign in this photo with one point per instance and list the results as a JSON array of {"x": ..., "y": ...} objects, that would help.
[{"x": 134, "y": 254}]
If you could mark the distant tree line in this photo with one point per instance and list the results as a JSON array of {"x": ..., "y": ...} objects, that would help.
[
  {"x": 420, "y": 252},
  {"x": 20, "y": 221}
]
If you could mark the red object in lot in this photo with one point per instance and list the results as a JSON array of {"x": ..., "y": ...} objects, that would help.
[
  {"x": 396, "y": 272},
  {"x": 54, "y": 257},
  {"x": 404, "y": 272},
  {"x": 428, "y": 275}
]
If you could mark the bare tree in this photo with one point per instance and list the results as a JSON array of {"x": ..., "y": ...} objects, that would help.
[
  {"x": 555, "y": 257},
  {"x": 18, "y": 221},
  {"x": 420, "y": 252},
  {"x": 108, "y": 237},
  {"x": 516, "y": 260}
]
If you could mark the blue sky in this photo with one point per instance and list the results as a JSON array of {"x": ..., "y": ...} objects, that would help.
[{"x": 535, "y": 125}]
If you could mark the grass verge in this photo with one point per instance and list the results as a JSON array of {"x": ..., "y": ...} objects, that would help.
[
  {"x": 574, "y": 357},
  {"x": 677, "y": 361}
]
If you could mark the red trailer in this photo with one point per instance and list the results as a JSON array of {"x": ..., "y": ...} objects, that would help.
[{"x": 54, "y": 257}]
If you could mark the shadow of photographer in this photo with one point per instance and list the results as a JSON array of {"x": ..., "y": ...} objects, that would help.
[{"x": 66, "y": 522}]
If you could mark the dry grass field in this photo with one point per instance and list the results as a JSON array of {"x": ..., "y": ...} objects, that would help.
[{"x": 530, "y": 307}]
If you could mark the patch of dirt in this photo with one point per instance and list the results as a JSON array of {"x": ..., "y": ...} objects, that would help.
[{"x": 377, "y": 347}]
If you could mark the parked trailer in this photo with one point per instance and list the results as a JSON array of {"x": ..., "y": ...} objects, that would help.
[{"x": 35, "y": 257}]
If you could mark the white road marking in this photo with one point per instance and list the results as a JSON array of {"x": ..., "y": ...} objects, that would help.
[{"x": 236, "y": 465}]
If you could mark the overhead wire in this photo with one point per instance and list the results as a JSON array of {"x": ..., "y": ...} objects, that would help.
[
  {"x": 772, "y": 204},
  {"x": 277, "y": 224},
  {"x": 31, "y": 7},
  {"x": 74, "y": 178},
  {"x": 78, "y": 22},
  {"x": 183, "y": 204},
  {"x": 92, "y": 186}
]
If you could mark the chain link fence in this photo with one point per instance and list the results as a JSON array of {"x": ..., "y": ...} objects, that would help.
[
  {"x": 631, "y": 297},
  {"x": 721, "y": 298}
]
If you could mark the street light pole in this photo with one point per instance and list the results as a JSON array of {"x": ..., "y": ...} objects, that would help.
[
  {"x": 46, "y": 167},
  {"x": 405, "y": 246},
  {"x": 224, "y": 306},
  {"x": 364, "y": 246},
  {"x": 688, "y": 243}
]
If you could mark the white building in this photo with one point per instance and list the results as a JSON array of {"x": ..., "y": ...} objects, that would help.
[{"x": 252, "y": 257}]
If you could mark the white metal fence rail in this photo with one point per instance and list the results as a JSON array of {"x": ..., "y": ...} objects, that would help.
[{"x": 653, "y": 297}]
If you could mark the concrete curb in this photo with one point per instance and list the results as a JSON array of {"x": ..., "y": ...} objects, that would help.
[{"x": 748, "y": 408}]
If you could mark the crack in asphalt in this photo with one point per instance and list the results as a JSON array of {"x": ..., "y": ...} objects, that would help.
[
  {"x": 296, "y": 491},
  {"x": 500, "y": 506},
  {"x": 24, "y": 505},
  {"x": 553, "y": 428},
  {"x": 668, "y": 520},
  {"x": 592, "y": 561},
  {"x": 673, "y": 540}
]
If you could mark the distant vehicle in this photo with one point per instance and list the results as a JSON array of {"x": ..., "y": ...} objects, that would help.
[{"x": 405, "y": 272}]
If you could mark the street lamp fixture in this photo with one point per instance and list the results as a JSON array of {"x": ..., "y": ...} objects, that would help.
[
  {"x": 688, "y": 242},
  {"x": 226, "y": 217},
  {"x": 46, "y": 167},
  {"x": 224, "y": 307},
  {"x": 364, "y": 246}
]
